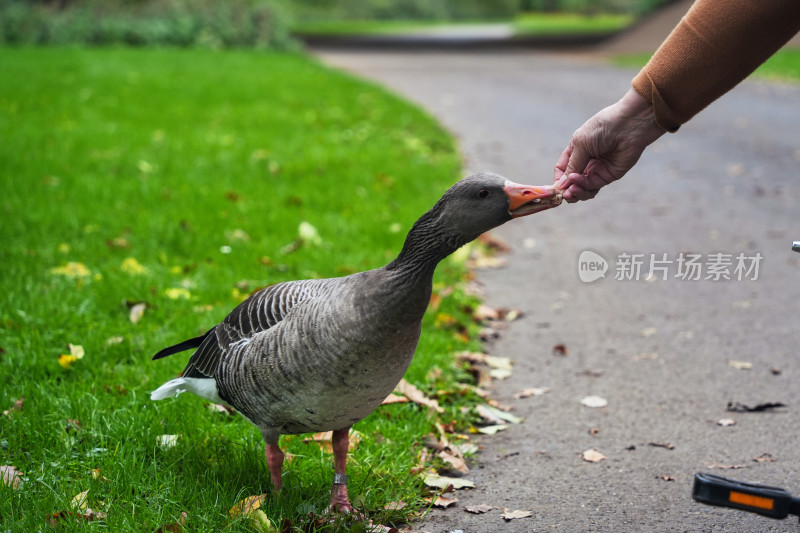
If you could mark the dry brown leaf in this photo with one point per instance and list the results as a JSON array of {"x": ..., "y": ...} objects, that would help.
[
  {"x": 458, "y": 463},
  {"x": 394, "y": 398},
  {"x": 395, "y": 506},
  {"x": 10, "y": 476},
  {"x": 415, "y": 395},
  {"x": 666, "y": 478},
  {"x": 594, "y": 431},
  {"x": 56, "y": 519},
  {"x": 666, "y": 445},
  {"x": 136, "y": 312},
  {"x": 484, "y": 312},
  {"x": 512, "y": 515},
  {"x": 478, "y": 260},
  {"x": 592, "y": 456},
  {"x": 472, "y": 357},
  {"x": 478, "y": 509},
  {"x": 492, "y": 415},
  {"x": 764, "y": 458},
  {"x": 561, "y": 349},
  {"x": 533, "y": 391},
  {"x": 441, "y": 502}
]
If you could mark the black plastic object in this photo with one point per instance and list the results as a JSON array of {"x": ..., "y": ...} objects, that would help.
[{"x": 762, "y": 499}]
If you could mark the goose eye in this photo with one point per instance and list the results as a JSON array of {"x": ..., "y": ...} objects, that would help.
[{"x": 483, "y": 193}]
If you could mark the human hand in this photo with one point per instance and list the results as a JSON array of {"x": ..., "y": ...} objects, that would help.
[{"x": 606, "y": 147}]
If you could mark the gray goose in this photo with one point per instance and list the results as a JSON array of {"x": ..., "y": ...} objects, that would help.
[{"x": 319, "y": 355}]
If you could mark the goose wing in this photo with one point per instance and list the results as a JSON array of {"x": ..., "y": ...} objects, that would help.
[{"x": 261, "y": 311}]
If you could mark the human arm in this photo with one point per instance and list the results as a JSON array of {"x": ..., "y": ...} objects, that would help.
[{"x": 716, "y": 45}]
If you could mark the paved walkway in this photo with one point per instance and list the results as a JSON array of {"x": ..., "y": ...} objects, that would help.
[{"x": 658, "y": 351}]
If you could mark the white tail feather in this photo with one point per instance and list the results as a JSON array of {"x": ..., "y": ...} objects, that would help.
[{"x": 203, "y": 387}]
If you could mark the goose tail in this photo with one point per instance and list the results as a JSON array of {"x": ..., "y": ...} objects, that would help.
[
  {"x": 183, "y": 346},
  {"x": 203, "y": 387}
]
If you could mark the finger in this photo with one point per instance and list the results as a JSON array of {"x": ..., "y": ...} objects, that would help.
[{"x": 578, "y": 159}]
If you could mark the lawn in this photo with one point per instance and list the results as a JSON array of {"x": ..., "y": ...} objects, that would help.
[
  {"x": 524, "y": 25},
  {"x": 145, "y": 193},
  {"x": 783, "y": 66}
]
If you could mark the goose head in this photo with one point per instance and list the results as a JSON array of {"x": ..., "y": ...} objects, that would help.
[{"x": 481, "y": 202}]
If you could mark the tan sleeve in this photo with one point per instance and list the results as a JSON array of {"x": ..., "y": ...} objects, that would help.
[{"x": 717, "y": 44}]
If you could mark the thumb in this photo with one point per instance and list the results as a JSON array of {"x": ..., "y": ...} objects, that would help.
[{"x": 578, "y": 159}]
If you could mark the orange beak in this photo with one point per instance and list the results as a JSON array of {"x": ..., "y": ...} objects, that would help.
[{"x": 526, "y": 199}]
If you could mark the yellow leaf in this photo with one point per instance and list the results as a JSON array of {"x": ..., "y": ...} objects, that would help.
[
  {"x": 175, "y": 293},
  {"x": 72, "y": 269},
  {"x": 248, "y": 505},
  {"x": 131, "y": 266},
  {"x": 79, "y": 500},
  {"x": 66, "y": 360}
]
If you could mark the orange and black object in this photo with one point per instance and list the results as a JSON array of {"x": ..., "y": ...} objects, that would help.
[{"x": 769, "y": 501}]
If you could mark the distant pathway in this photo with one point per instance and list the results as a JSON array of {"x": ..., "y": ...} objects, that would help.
[{"x": 658, "y": 351}]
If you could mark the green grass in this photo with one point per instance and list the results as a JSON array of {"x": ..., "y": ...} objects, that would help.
[
  {"x": 199, "y": 165},
  {"x": 784, "y": 65},
  {"x": 530, "y": 24},
  {"x": 525, "y": 24}
]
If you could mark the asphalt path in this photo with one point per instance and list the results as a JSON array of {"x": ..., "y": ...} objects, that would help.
[{"x": 659, "y": 350}]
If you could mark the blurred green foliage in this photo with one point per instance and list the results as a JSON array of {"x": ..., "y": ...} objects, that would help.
[{"x": 200, "y": 23}]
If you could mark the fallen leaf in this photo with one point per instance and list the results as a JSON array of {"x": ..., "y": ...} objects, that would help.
[
  {"x": 458, "y": 463},
  {"x": 441, "y": 502},
  {"x": 98, "y": 476},
  {"x": 500, "y": 363},
  {"x": 132, "y": 267},
  {"x": 73, "y": 425},
  {"x": 175, "y": 293},
  {"x": 484, "y": 312},
  {"x": 441, "y": 482},
  {"x": 166, "y": 442},
  {"x": 594, "y": 431},
  {"x": 666, "y": 445},
  {"x": 136, "y": 312},
  {"x": 117, "y": 339},
  {"x": 308, "y": 234},
  {"x": 527, "y": 393},
  {"x": 72, "y": 269},
  {"x": 592, "y": 456},
  {"x": 722, "y": 466},
  {"x": 764, "y": 458},
  {"x": 66, "y": 360},
  {"x": 511, "y": 515},
  {"x": 561, "y": 349},
  {"x": 478, "y": 260},
  {"x": 394, "y": 398},
  {"x": 247, "y": 505},
  {"x": 665, "y": 478},
  {"x": 594, "y": 402},
  {"x": 478, "y": 509},
  {"x": 500, "y": 373},
  {"x": 737, "y": 407},
  {"x": 76, "y": 350},
  {"x": 648, "y": 332},
  {"x": 495, "y": 416},
  {"x": 472, "y": 357},
  {"x": 491, "y": 430},
  {"x": 415, "y": 395},
  {"x": 10, "y": 476},
  {"x": 15, "y": 407},
  {"x": 79, "y": 500},
  {"x": 395, "y": 506},
  {"x": 725, "y": 422},
  {"x": 56, "y": 519},
  {"x": 741, "y": 365}
]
